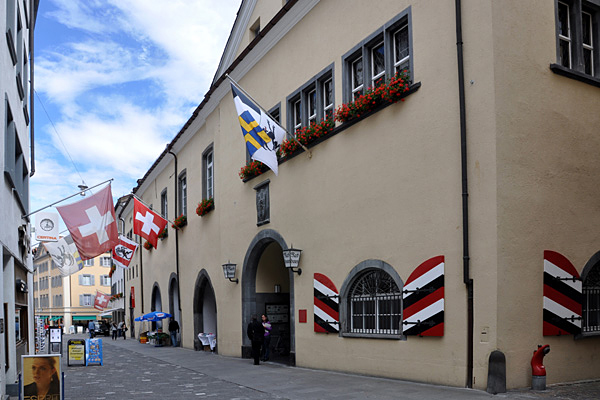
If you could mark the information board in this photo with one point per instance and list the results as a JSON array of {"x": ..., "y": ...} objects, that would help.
[
  {"x": 76, "y": 352},
  {"x": 93, "y": 349}
]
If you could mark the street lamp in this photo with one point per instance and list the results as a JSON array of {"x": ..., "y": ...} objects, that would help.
[
  {"x": 83, "y": 188},
  {"x": 229, "y": 271},
  {"x": 291, "y": 257}
]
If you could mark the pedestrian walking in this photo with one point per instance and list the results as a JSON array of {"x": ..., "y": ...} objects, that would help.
[
  {"x": 256, "y": 334},
  {"x": 113, "y": 330},
  {"x": 124, "y": 330},
  {"x": 267, "y": 337},
  {"x": 120, "y": 328},
  {"x": 91, "y": 327},
  {"x": 173, "y": 329}
]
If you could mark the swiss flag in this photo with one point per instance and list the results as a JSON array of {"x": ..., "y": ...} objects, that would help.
[
  {"x": 92, "y": 223},
  {"x": 147, "y": 223},
  {"x": 123, "y": 251},
  {"x": 101, "y": 301}
]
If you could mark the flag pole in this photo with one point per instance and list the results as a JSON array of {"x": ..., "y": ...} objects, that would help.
[
  {"x": 66, "y": 198},
  {"x": 269, "y": 114},
  {"x": 147, "y": 206}
]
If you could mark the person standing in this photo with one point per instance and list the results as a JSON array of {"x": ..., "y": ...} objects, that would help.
[
  {"x": 124, "y": 330},
  {"x": 173, "y": 329},
  {"x": 256, "y": 334},
  {"x": 113, "y": 330},
  {"x": 91, "y": 327},
  {"x": 267, "y": 337},
  {"x": 120, "y": 329}
]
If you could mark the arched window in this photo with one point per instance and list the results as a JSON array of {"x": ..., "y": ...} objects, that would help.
[
  {"x": 591, "y": 296},
  {"x": 372, "y": 301}
]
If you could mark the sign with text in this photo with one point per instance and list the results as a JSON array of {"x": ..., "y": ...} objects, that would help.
[
  {"x": 93, "y": 349},
  {"x": 46, "y": 227},
  {"x": 41, "y": 377},
  {"x": 76, "y": 352}
]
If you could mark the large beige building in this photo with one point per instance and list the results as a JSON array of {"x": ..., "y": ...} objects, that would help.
[
  {"x": 69, "y": 300},
  {"x": 434, "y": 231}
]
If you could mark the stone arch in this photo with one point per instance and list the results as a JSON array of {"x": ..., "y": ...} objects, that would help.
[
  {"x": 156, "y": 303},
  {"x": 203, "y": 289},
  {"x": 251, "y": 261},
  {"x": 174, "y": 297},
  {"x": 353, "y": 275}
]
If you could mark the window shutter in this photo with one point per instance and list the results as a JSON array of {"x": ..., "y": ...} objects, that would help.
[
  {"x": 92, "y": 280},
  {"x": 423, "y": 299},
  {"x": 81, "y": 279},
  {"x": 81, "y": 298},
  {"x": 326, "y": 305},
  {"x": 562, "y": 296}
]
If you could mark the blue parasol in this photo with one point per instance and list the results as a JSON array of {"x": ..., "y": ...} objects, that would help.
[{"x": 154, "y": 316}]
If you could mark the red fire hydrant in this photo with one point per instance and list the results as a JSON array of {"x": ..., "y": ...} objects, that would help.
[{"x": 538, "y": 371}]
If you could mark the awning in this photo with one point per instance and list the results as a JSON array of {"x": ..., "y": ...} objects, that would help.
[
  {"x": 55, "y": 318},
  {"x": 83, "y": 317},
  {"x": 108, "y": 313}
]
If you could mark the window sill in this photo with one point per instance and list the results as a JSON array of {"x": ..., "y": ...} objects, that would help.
[
  {"x": 578, "y": 76},
  {"x": 587, "y": 335},
  {"x": 372, "y": 336}
]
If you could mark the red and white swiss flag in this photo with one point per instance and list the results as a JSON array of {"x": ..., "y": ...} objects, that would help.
[
  {"x": 92, "y": 223},
  {"x": 124, "y": 251},
  {"x": 101, "y": 301},
  {"x": 147, "y": 223}
]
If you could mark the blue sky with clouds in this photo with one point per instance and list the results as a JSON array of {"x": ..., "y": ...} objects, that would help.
[{"x": 115, "y": 82}]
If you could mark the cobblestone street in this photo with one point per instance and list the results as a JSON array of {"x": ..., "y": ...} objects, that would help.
[{"x": 136, "y": 371}]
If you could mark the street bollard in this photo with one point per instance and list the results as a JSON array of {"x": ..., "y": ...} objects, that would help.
[{"x": 538, "y": 371}]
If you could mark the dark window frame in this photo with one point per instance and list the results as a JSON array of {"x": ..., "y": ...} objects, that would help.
[
  {"x": 210, "y": 150},
  {"x": 182, "y": 192},
  {"x": 316, "y": 84},
  {"x": 363, "y": 50},
  {"x": 575, "y": 68}
]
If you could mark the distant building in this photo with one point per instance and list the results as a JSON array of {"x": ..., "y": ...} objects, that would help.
[
  {"x": 69, "y": 300},
  {"x": 17, "y": 21},
  {"x": 434, "y": 232}
]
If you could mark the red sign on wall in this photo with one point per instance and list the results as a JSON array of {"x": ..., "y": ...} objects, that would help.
[
  {"x": 132, "y": 298},
  {"x": 302, "y": 316}
]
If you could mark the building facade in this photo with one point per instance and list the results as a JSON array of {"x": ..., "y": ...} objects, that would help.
[
  {"x": 68, "y": 301},
  {"x": 442, "y": 219},
  {"x": 17, "y": 21}
]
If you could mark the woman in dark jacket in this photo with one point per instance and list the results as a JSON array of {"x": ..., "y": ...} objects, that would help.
[{"x": 45, "y": 385}]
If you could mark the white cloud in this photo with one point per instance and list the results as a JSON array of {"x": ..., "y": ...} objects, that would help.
[{"x": 124, "y": 81}]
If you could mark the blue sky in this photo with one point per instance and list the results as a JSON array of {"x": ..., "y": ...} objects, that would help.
[{"x": 115, "y": 82}]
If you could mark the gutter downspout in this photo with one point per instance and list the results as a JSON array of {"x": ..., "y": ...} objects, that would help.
[
  {"x": 465, "y": 193},
  {"x": 31, "y": 89},
  {"x": 177, "y": 252}
]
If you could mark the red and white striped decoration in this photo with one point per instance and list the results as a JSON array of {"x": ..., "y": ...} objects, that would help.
[
  {"x": 423, "y": 299},
  {"x": 326, "y": 308},
  {"x": 562, "y": 296}
]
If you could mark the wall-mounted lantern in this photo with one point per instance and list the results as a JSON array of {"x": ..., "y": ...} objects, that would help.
[{"x": 229, "y": 271}]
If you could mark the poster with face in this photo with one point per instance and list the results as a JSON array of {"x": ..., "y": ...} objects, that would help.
[{"x": 41, "y": 377}]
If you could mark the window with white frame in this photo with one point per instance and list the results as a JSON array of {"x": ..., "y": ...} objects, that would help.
[
  {"x": 182, "y": 195},
  {"x": 163, "y": 204},
  {"x": 86, "y": 299},
  {"x": 86, "y": 280},
  {"x": 88, "y": 263},
  {"x": 377, "y": 58},
  {"x": 104, "y": 280},
  {"x": 313, "y": 102},
  {"x": 105, "y": 262},
  {"x": 578, "y": 32},
  {"x": 208, "y": 173}
]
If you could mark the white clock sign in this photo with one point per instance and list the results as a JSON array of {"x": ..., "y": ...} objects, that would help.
[{"x": 46, "y": 227}]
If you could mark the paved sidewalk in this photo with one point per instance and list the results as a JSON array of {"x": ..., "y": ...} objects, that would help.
[{"x": 140, "y": 371}]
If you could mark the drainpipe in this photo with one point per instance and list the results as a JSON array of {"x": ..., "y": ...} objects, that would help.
[
  {"x": 177, "y": 251},
  {"x": 32, "y": 18},
  {"x": 465, "y": 193}
]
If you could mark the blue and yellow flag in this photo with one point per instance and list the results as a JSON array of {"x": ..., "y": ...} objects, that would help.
[{"x": 262, "y": 134}]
